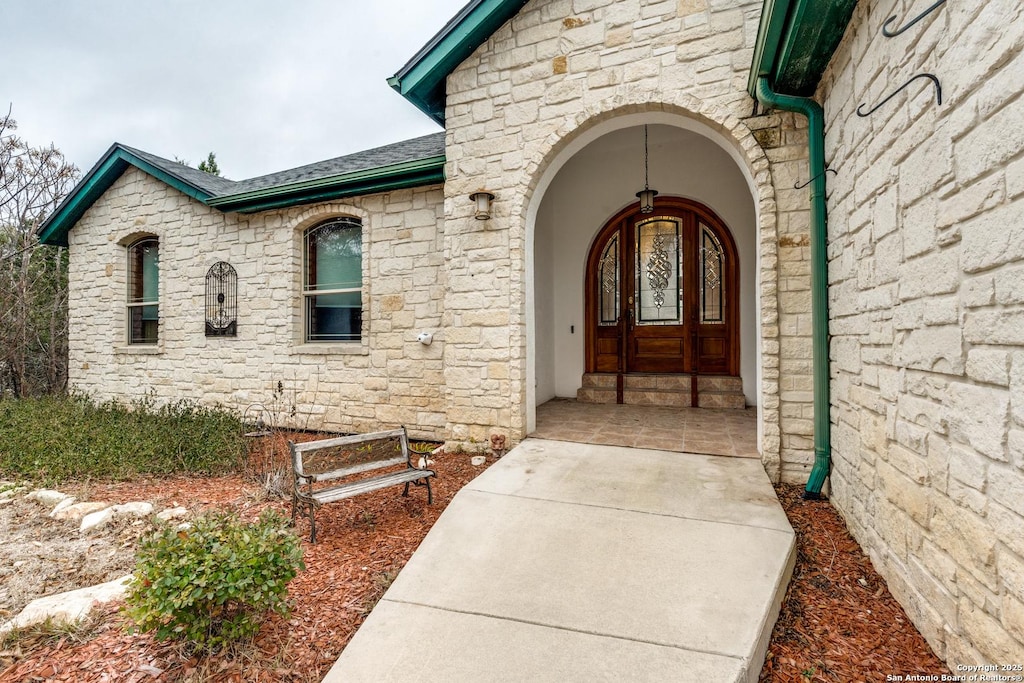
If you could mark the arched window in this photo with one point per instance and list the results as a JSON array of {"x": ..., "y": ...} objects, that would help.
[
  {"x": 333, "y": 281},
  {"x": 143, "y": 304}
]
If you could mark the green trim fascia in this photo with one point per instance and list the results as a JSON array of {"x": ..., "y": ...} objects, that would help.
[
  {"x": 819, "y": 275},
  {"x": 381, "y": 179},
  {"x": 422, "y": 80},
  {"x": 327, "y": 194},
  {"x": 54, "y": 230}
]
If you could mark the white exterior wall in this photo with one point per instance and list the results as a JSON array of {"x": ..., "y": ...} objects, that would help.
[
  {"x": 926, "y": 273},
  {"x": 389, "y": 379}
]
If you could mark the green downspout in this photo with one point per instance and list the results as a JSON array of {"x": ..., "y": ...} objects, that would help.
[{"x": 819, "y": 275}]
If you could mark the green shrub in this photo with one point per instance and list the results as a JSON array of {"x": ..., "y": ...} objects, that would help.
[
  {"x": 58, "y": 438},
  {"x": 212, "y": 584}
]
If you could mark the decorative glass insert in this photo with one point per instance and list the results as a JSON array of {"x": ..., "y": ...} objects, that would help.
[
  {"x": 221, "y": 300},
  {"x": 712, "y": 285},
  {"x": 333, "y": 281},
  {"x": 143, "y": 306},
  {"x": 658, "y": 273},
  {"x": 608, "y": 279}
]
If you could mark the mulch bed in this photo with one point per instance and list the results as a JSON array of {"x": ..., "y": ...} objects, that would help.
[
  {"x": 361, "y": 545},
  {"x": 838, "y": 621}
]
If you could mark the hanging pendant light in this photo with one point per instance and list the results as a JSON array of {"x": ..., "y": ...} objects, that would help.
[{"x": 646, "y": 195}]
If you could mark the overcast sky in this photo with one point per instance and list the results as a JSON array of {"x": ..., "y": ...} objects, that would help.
[{"x": 265, "y": 84}]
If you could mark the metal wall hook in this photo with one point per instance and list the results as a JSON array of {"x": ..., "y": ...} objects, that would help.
[
  {"x": 938, "y": 93},
  {"x": 889, "y": 33},
  {"x": 800, "y": 186}
]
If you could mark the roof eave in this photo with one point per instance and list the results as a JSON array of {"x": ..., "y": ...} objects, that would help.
[
  {"x": 414, "y": 173},
  {"x": 422, "y": 79},
  {"x": 795, "y": 42},
  {"x": 54, "y": 230}
]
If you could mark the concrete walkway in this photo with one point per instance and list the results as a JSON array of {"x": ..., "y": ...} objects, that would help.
[{"x": 575, "y": 562}]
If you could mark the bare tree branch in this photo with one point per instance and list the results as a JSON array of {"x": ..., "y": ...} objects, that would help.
[{"x": 33, "y": 278}]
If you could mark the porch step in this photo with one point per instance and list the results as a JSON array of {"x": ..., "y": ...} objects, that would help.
[
  {"x": 733, "y": 400},
  {"x": 595, "y": 395},
  {"x": 599, "y": 380},
  {"x": 656, "y": 383},
  {"x": 719, "y": 383},
  {"x": 646, "y": 397},
  {"x": 713, "y": 391}
]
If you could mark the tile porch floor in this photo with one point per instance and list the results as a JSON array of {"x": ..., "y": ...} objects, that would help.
[{"x": 710, "y": 431}]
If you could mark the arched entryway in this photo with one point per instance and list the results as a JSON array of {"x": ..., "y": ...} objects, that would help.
[
  {"x": 662, "y": 295},
  {"x": 588, "y": 172}
]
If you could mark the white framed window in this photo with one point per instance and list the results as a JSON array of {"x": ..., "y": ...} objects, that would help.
[
  {"x": 332, "y": 284},
  {"x": 143, "y": 301}
]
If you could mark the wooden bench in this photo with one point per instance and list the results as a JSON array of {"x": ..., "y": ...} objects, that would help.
[{"x": 316, "y": 462}]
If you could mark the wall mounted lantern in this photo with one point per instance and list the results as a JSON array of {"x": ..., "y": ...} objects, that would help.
[
  {"x": 646, "y": 195},
  {"x": 483, "y": 200}
]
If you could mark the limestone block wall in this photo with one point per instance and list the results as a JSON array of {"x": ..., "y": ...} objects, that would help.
[
  {"x": 926, "y": 272},
  {"x": 783, "y": 136},
  {"x": 388, "y": 379},
  {"x": 554, "y": 71}
]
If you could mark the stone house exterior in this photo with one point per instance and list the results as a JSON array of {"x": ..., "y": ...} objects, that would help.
[{"x": 882, "y": 349}]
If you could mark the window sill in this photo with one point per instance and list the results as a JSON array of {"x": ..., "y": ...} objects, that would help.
[
  {"x": 139, "y": 350},
  {"x": 336, "y": 349}
]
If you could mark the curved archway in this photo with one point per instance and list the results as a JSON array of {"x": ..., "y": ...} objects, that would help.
[{"x": 720, "y": 128}]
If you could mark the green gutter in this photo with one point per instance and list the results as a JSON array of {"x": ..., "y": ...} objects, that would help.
[
  {"x": 819, "y": 275},
  {"x": 769, "y": 38},
  {"x": 416, "y": 173}
]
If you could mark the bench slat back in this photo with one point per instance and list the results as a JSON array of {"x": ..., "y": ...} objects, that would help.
[{"x": 338, "y": 457}]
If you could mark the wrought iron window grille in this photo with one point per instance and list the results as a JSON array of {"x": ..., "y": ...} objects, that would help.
[{"x": 221, "y": 300}]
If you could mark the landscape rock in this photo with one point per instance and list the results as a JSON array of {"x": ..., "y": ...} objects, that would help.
[
  {"x": 9, "y": 494},
  {"x": 66, "y": 503},
  {"x": 134, "y": 509},
  {"x": 77, "y": 511},
  {"x": 478, "y": 460},
  {"x": 172, "y": 513},
  {"x": 95, "y": 520},
  {"x": 68, "y": 607},
  {"x": 48, "y": 497}
]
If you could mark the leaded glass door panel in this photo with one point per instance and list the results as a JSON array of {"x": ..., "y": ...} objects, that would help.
[{"x": 657, "y": 334}]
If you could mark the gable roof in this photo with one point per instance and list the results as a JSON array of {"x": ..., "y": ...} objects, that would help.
[
  {"x": 422, "y": 79},
  {"x": 411, "y": 163}
]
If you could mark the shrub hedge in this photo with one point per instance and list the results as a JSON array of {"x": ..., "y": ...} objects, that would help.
[{"x": 54, "y": 439}]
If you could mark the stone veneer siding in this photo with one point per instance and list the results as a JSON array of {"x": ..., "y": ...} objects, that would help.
[
  {"x": 926, "y": 273},
  {"x": 388, "y": 379},
  {"x": 556, "y": 69}
]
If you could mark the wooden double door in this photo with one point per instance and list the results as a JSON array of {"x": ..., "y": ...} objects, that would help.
[{"x": 662, "y": 293}]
